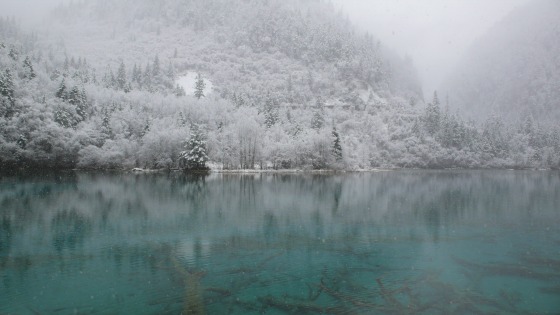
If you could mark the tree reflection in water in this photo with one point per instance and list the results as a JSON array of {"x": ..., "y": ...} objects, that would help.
[{"x": 389, "y": 242}]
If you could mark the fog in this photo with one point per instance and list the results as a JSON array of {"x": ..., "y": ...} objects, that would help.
[
  {"x": 29, "y": 12},
  {"x": 435, "y": 33}
]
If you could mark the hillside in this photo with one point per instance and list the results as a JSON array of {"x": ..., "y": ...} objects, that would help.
[
  {"x": 279, "y": 84},
  {"x": 243, "y": 46},
  {"x": 514, "y": 70}
]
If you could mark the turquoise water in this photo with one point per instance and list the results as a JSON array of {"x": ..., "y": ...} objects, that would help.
[{"x": 404, "y": 242}]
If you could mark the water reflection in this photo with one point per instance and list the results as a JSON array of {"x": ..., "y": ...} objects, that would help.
[
  {"x": 390, "y": 242},
  {"x": 69, "y": 230}
]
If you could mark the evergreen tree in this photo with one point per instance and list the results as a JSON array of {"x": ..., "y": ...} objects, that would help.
[
  {"x": 146, "y": 129},
  {"x": 66, "y": 66},
  {"x": 136, "y": 75},
  {"x": 128, "y": 87},
  {"x": 337, "y": 148},
  {"x": 83, "y": 96},
  {"x": 495, "y": 137},
  {"x": 7, "y": 85},
  {"x": 108, "y": 78},
  {"x": 147, "y": 79},
  {"x": 199, "y": 87},
  {"x": 194, "y": 157},
  {"x": 61, "y": 118},
  {"x": 29, "y": 71},
  {"x": 433, "y": 116},
  {"x": 13, "y": 54},
  {"x": 61, "y": 91},
  {"x": 82, "y": 104},
  {"x": 180, "y": 91},
  {"x": 106, "y": 121},
  {"x": 271, "y": 114},
  {"x": 170, "y": 71},
  {"x": 156, "y": 68},
  {"x": 93, "y": 76},
  {"x": 121, "y": 77},
  {"x": 112, "y": 80},
  {"x": 317, "y": 121},
  {"x": 435, "y": 101},
  {"x": 182, "y": 120},
  {"x": 7, "y": 94},
  {"x": 74, "y": 96}
]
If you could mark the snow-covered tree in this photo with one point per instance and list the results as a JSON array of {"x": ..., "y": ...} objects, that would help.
[
  {"x": 29, "y": 72},
  {"x": 121, "y": 77},
  {"x": 61, "y": 91},
  {"x": 195, "y": 157},
  {"x": 199, "y": 86},
  {"x": 13, "y": 54},
  {"x": 432, "y": 116},
  {"x": 179, "y": 91},
  {"x": 337, "y": 148},
  {"x": 82, "y": 105},
  {"x": 156, "y": 68},
  {"x": 147, "y": 78},
  {"x": 7, "y": 100},
  {"x": 271, "y": 114}
]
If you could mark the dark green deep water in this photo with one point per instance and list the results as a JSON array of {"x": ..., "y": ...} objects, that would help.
[{"x": 404, "y": 242}]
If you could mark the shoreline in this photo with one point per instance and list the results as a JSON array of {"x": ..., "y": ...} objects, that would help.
[{"x": 24, "y": 171}]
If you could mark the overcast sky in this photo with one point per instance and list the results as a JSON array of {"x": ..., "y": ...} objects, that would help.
[{"x": 435, "y": 33}]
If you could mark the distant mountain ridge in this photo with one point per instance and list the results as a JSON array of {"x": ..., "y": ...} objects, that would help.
[{"x": 514, "y": 70}]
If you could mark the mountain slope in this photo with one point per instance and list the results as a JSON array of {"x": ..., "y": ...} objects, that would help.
[
  {"x": 244, "y": 46},
  {"x": 514, "y": 70},
  {"x": 292, "y": 83},
  {"x": 294, "y": 86}
]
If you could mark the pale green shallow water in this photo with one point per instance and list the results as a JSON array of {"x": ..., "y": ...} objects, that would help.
[{"x": 406, "y": 242}]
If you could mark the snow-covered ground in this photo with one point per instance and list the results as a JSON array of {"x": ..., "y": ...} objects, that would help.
[{"x": 188, "y": 82}]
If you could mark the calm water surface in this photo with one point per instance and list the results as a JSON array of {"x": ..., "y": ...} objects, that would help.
[{"x": 406, "y": 242}]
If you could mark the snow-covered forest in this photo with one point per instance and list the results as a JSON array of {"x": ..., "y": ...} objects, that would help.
[
  {"x": 514, "y": 69},
  {"x": 294, "y": 86}
]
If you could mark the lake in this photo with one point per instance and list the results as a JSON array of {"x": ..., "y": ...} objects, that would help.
[{"x": 420, "y": 242}]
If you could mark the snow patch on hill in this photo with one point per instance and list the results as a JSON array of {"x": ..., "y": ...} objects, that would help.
[{"x": 188, "y": 82}]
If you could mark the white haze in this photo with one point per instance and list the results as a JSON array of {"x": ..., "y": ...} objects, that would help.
[
  {"x": 435, "y": 33},
  {"x": 29, "y": 12}
]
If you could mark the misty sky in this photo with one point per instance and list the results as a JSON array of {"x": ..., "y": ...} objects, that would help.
[
  {"x": 435, "y": 33},
  {"x": 28, "y": 11}
]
